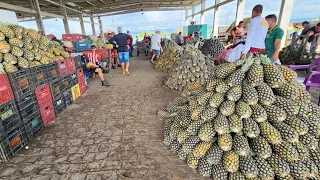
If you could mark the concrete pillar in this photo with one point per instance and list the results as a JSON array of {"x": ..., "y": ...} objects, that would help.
[
  {"x": 216, "y": 20},
  {"x": 240, "y": 10},
  {"x": 101, "y": 28},
  {"x": 92, "y": 25},
  {"x": 35, "y": 5},
  {"x": 202, "y": 16},
  {"x": 83, "y": 30},
  {"x": 193, "y": 11},
  {"x": 284, "y": 18},
  {"x": 65, "y": 20},
  {"x": 186, "y": 17}
]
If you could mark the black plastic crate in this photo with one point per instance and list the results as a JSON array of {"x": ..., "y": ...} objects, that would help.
[
  {"x": 33, "y": 125},
  {"x": 73, "y": 79},
  {"x": 52, "y": 72},
  {"x": 39, "y": 75},
  {"x": 9, "y": 124},
  {"x": 7, "y": 110},
  {"x": 65, "y": 83},
  {"x": 27, "y": 106},
  {"x": 59, "y": 105},
  {"x": 56, "y": 88},
  {"x": 21, "y": 83},
  {"x": 67, "y": 96},
  {"x": 78, "y": 62},
  {"x": 12, "y": 142}
]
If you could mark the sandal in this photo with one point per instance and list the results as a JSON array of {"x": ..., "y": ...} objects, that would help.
[{"x": 127, "y": 73}]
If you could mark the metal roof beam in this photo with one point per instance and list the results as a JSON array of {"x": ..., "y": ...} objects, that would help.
[{"x": 212, "y": 7}]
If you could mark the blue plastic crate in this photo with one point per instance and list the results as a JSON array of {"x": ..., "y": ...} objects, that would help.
[{"x": 82, "y": 46}]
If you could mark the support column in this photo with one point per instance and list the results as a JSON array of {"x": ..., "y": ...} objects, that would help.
[
  {"x": 92, "y": 25},
  {"x": 240, "y": 11},
  {"x": 65, "y": 20},
  {"x": 35, "y": 5},
  {"x": 186, "y": 17},
  {"x": 284, "y": 18},
  {"x": 202, "y": 16},
  {"x": 83, "y": 31},
  {"x": 101, "y": 28},
  {"x": 216, "y": 20},
  {"x": 193, "y": 11}
]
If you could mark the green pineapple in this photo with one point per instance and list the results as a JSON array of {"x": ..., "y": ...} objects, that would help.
[
  {"x": 190, "y": 143},
  {"x": 204, "y": 168},
  {"x": 240, "y": 145},
  {"x": 314, "y": 109},
  {"x": 279, "y": 166},
  {"x": 201, "y": 148},
  {"x": 235, "y": 123},
  {"x": 211, "y": 85},
  {"x": 304, "y": 110},
  {"x": 209, "y": 113},
  {"x": 287, "y": 133},
  {"x": 182, "y": 136},
  {"x": 313, "y": 170},
  {"x": 236, "y": 78},
  {"x": 165, "y": 115},
  {"x": 175, "y": 146},
  {"x": 265, "y": 170},
  {"x": 286, "y": 151},
  {"x": 225, "y": 142},
  {"x": 286, "y": 177},
  {"x": 167, "y": 138},
  {"x": 182, "y": 154},
  {"x": 206, "y": 132},
  {"x": 184, "y": 121},
  {"x": 204, "y": 98},
  {"x": 270, "y": 133},
  {"x": 297, "y": 125},
  {"x": 64, "y": 54},
  {"x": 275, "y": 114},
  {"x": 301, "y": 149},
  {"x": 255, "y": 74},
  {"x": 250, "y": 95},
  {"x": 28, "y": 55},
  {"x": 236, "y": 176},
  {"x": 272, "y": 75},
  {"x": 216, "y": 100},
  {"x": 303, "y": 96},
  {"x": 175, "y": 129},
  {"x": 10, "y": 59},
  {"x": 214, "y": 155},
  {"x": 259, "y": 114},
  {"x": 287, "y": 73},
  {"x": 193, "y": 161},
  {"x": 23, "y": 63},
  {"x": 243, "y": 110},
  {"x": 248, "y": 167},
  {"x": 221, "y": 124},
  {"x": 289, "y": 106},
  {"x": 266, "y": 96},
  {"x": 222, "y": 88},
  {"x": 16, "y": 51},
  {"x": 180, "y": 101},
  {"x": 315, "y": 156},
  {"x": 313, "y": 124},
  {"x": 227, "y": 108},
  {"x": 194, "y": 127},
  {"x": 261, "y": 147},
  {"x": 287, "y": 90},
  {"x": 231, "y": 161},
  {"x": 224, "y": 70},
  {"x": 299, "y": 170},
  {"x": 219, "y": 172},
  {"x": 9, "y": 68},
  {"x": 196, "y": 113},
  {"x": 309, "y": 141},
  {"x": 234, "y": 94},
  {"x": 250, "y": 128}
]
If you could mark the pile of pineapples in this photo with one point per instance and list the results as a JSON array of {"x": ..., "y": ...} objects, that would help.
[
  {"x": 23, "y": 48},
  {"x": 253, "y": 120},
  {"x": 165, "y": 43},
  {"x": 212, "y": 47},
  {"x": 292, "y": 55},
  {"x": 193, "y": 66}
]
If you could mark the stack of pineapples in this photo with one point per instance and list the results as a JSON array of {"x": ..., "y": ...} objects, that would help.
[
  {"x": 253, "y": 120},
  {"x": 22, "y": 48},
  {"x": 212, "y": 47},
  {"x": 165, "y": 43}
]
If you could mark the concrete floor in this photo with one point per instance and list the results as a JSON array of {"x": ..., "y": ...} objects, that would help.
[{"x": 108, "y": 133}]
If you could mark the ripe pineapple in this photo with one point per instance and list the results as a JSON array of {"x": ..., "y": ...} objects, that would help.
[
  {"x": 248, "y": 167},
  {"x": 279, "y": 166},
  {"x": 250, "y": 95},
  {"x": 259, "y": 114},
  {"x": 216, "y": 100},
  {"x": 266, "y": 96},
  {"x": 299, "y": 170},
  {"x": 190, "y": 143},
  {"x": 23, "y": 63},
  {"x": 261, "y": 147},
  {"x": 1, "y": 57},
  {"x": 224, "y": 70},
  {"x": 64, "y": 54},
  {"x": 9, "y": 33},
  {"x": 2, "y": 37},
  {"x": 16, "y": 42},
  {"x": 209, "y": 113},
  {"x": 225, "y": 142},
  {"x": 214, "y": 155},
  {"x": 9, "y": 68},
  {"x": 243, "y": 110},
  {"x": 234, "y": 94},
  {"x": 221, "y": 124},
  {"x": 309, "y": 141},
  {"x": 265, "y": 170},
  {"x": 297, "y": 125},
  {"x": 16, "y": 51},
  {"x": 219, "y": 172},
  {"x": 34, "y": 63},
  {"x": 240, "y": 145},
  {"x": 4, "y": 47},
  {"x": 270, "y": 133},
  {"x": 206, "y": 132},
  {"x": 28, "y": 55},
  {"x": 289, "y": 106},
  {"x": 33, "y": 34},
  {"x": 275, "y": 114},
  {"x": 196, "y": 113},
  {"x": 231, "y": 161},
  {"x": 287, "y": 73},
  {"x": 227, "y": 108},
  {"x": 204, "y": 168},
  {"x": 250, "y": 128},
  {"x": 286, "y": 151},
  {"x": 287, "y": 90},
  {"x": 201, "y": 148},
  {"x": 236, "y": 176},
  {"x": 287, "y": 133},
  {"x": 272, "y": 75},
  {"x": 193, "y": 161},
  {"x": 10, "y": 59},
  {"x": 301, "y": 149},
  {"x": 235, "y": 123},
  {"x": 190, "y": 87},
  {"x": 204, "y": 98}
]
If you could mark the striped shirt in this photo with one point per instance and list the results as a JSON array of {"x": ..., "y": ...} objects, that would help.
[{"x": 93, "y": 56}]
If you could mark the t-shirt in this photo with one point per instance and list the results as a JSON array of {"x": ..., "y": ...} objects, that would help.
[
  {"x": 94, "y": 57},
  {"x": 316, "y": 33},
  {"x": 258, "y": 29},
  {"x": 180, "y": 39},
  {"x": 121, "y": 40},
  {"x": 155, "y": 39},
  {"x": 275, "y": 33}
]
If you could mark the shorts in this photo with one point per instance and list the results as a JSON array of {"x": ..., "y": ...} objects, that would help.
[
  {"x": 156, "y": 52},
  {"x": 123, "y": 57}
]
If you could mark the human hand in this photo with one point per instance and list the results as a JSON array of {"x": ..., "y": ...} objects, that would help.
[
  {"x": 117, "y": 46},
  {"x": 274, "y": 57},
  {"x": 243, "y": 56},
  {"x": 161, "y": 49},
  {"x": 128, "y": 46}
]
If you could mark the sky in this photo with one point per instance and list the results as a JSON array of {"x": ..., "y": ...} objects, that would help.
[{"x": 169, "y": 21}]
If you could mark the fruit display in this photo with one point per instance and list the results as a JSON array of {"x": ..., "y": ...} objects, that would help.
[
  {"x": 247, "y": 122},
  {"x": 165, "y": 43},
  {"x": 22, "y": 48},
  {"x": 169, "y": 56},
  {"x": 291, "y": 55},
  {"x": 193, "y": 66},
  {"x": 212, "y": 47}
]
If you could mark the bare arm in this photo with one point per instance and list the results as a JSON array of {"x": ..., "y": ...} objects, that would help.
[
  {"x": 277, "y": 45},
  {"x": 159, "y": 44},
  {"x": 309, "y": 33},
  {"x": 233, "y": 34}
]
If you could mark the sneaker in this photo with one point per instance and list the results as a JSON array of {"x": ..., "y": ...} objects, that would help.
[
  {"x": 151, "y": 61},
  {"x": 113, "y": 67},
  {"x": 105, "y": 84}
]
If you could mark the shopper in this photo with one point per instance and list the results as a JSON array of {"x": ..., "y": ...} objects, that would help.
[
  {"x": 313, "y": 33},
  {"x": 258, "y": 29},
  {"x": 273, "y": 39},
  {"x": 156, "y": 45},
  {"x": 121, "y": 40},
  {"x": 130, "y": 42},
  {"x": 179, "y": 39},
  {"x": 238, "y": 33}
]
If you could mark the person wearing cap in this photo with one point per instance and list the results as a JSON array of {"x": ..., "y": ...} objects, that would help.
[
  {"x": 156, "y": 45},
  {"x": 313, "y": 34},
  {"x": 273, "y": 39},
  {"x": 238, "y": 33}
]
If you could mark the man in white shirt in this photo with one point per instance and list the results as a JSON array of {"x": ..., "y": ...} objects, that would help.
[
  {"x": 257, "y": 32},
  {"x": 156, "y": 45}
]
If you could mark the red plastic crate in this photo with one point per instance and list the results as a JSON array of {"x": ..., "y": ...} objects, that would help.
[
  {"x": 83, "y": 87},
  {"x": 6, "y": 93},
  {"x": 63, "y": 68},
  {"x": 43, "y": 95},
  {"x": 70, "y": 64},
  {"x": 72, "y": 37},
  {"x": 47, "y": 114},
  {"x": 80, "y": 75}
]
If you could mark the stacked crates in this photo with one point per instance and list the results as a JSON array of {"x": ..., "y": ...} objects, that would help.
[
  {"x": 81, "y": 80},
  {"x": 45, "y": 103}
]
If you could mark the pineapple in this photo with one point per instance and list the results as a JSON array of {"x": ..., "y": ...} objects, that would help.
[
  {"x": 201, "y": 148},
  {"x": 250, "y": 128},
  {"x": 303, "y": 96},
  {"x": 301, "y": 149},
  {"x": 23, "y": 63},
  {"x": 182, "y": 154},
  {"x": 261, "y": 147},
  {"x": 235, "y": 123},
  {"x": 272, "y": 75},
  {"x": 16, "y": 51},
  {"x": 190, "y": 143},
  {"x": 196, "y": 113},
  {"x": 313, "y": 124},
  {"x": 255, "y": 75},
  {"x": 185, "y": 122},
  {"x": 227, "y": 108},
  {"x": 240, "y": 145},
  {"x": 64, "y": 54},
  {"x": 297, "y": 125},
  {"x": 234, "y": 94},
  {"x": 250, "y": 95},
  {"x": 221, "y": 124},
  {"x": 1, "y": 57},
  {"x": 286, "y": 151},
  {"x": 248, "y": 167},
  {"x": 259, "y": 114},
  {"x": 28, "y": 55},
  {"x": 314, "y": 110},
  {"x": 180, "y": 101},
  {"x": 231, "y": 161},
  {"x": 236, "y": 176},
  {"x": 4, "y": 47},
  {"x": 265, "y": 170},
  {"x": 175, "y": 129},
  {"x": 10, "y": 59},
  {"x": 236, "y": 78},
  {"x": 193, "y": 161},
  {"x": 287, "y": 133},
  {"x": 2, "y": 37},
  {"x": 9, "y": 68},
  {"x": 243, "y": 110},
  {"x": 214, "y": 155},
  {"x": 287, "y": 73},
  {"x": 287, "y": 90},
  {"x": 209, "y": 113},
  {"x": 204, "y": 168},
  {"x": 182, "y": 136},
  {"x": 309, "y": 141},
  {"x": 224, "y": 70},
  {"x": 299, "y": 170},
  {"x": 165, "y": 115},
  {"x": 219, "y": 172},
  {"x": 34, "y": 64},
  {"x": 315, "y": 156},
  {"x": 222, "y": 88},
  {"x": 225, "y": 142},
  {"x": 216, "y": 100},
  {"x": 34, "y": 35},
  {"x": 287, "y": 177},
  {"x": 9, "y": 33},
  {"x": 190, "y": 86},
  {"x": 275, "y": 114},
  {"x": 279, "y": 166},
  {"x": 175, "y": 146},
  {"x": 206, "y": 132},
  {"x": 313, "y": 170},
  {"x": 270, "y": 133},
  {"x": 211, "y": 85},
  {"x": 266, "y": 96},
  {"x": 204, "y": 98},
  {"x": 289, "y": 106},
  {"x": 304, "y": 110}
]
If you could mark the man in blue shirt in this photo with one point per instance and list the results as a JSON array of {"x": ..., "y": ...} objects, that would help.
[{"x": 121, "y": 40}]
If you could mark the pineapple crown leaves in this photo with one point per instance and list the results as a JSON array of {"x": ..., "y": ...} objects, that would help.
[
  {"x": 248, "y": 63},
  {"x": 264, "y": 59}
]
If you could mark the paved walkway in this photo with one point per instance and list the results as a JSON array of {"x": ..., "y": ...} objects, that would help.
[{"x": 109, "y": 133}]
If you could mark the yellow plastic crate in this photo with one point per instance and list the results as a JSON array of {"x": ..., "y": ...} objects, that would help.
[
  {"x": 75, "y": 90},
  {"x": 109, "y": 46}
]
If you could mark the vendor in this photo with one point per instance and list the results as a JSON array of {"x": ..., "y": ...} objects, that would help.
[
  {"x": 313, "y": 33},
  {"x": 258, "y": 29},
  {"x": 238, "y": 33},
  {"x": 273, "y": 39}
]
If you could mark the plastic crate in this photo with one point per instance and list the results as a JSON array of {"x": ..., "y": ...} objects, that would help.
[
  {"x": 12, "y": 143},
  {"x": 67, "y": 96},
  {"x": 82, "y": 46},
  {"x": 78, "y": 62},
  {"x": 9, "y": 124},
  {"x": 55, "y": 87},
  {"x": 75, "y": 90},
  {"x": 52, "y": 72},
  {"x": 59, "y": 105},
  {"x": 39, "y": 75},
  {"x": 73, "y": 79},
  {"x": 33, "y": 125},
  {"x": 80, "y": 75},
  {"x": 47, "y": 114},
  {"x": 27, "y": 106},
  {"x": 83, "y": 88},
  {"x": 71, "y": 64},
  {"x": 62, "y": 68},
  {"x": 21, "y": 83},
  {"x": 8, "y": 109},
  {"x": 6, "y": 93},
  {"x": 65, "y": 83},
  {"x": 43, "y": 95},
  {"x": 72, "y": 37}
]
